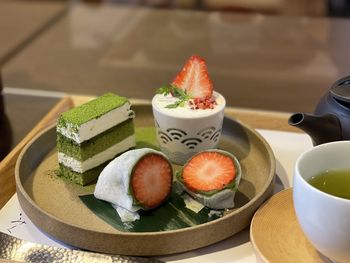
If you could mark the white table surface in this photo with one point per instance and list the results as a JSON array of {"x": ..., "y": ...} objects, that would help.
[{"x": 286, "y": 146}]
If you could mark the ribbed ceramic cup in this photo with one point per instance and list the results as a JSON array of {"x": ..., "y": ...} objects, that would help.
[
  {"x": 182, "y": 134},
  {"x": 324, "y": 218}
]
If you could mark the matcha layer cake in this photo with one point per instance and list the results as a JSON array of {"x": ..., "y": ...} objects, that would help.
[{"x": 91, "y": 135}]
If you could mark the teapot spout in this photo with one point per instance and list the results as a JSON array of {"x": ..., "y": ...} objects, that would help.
[{"x": 321, "y": 129}]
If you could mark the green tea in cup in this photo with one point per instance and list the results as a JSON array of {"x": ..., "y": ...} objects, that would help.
[
  {"x": 334, "y": 182},
  {"x": 322, "y": 215}
]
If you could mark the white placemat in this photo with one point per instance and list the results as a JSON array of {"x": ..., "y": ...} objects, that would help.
[{"x": 286, "y": 146}]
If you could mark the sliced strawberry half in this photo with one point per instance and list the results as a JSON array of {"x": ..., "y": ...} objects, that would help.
[
  {"x": 208, "y": 171},
  {"x": 151, "y": 180},
  {"x": 194, "y": 78}
]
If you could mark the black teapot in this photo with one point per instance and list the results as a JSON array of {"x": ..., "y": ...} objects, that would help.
[{"x": 331, "y": 119}]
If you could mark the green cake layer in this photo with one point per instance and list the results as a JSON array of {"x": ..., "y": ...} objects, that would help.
[
  {"x": 99, "y": 143},
  {"x": 80, "y": 178},
  {"x": 91, "y": 110}
]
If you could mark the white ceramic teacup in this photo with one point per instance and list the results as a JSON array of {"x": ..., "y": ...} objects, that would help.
[
  {"x": 324, "y": 218},
  {"x": 182, "y": 132}
]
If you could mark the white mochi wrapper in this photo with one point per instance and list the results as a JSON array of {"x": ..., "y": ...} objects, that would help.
[{"x": 113, "y": 183}]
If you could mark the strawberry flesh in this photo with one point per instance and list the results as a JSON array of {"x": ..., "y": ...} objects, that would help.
[
  {"x": 194, "y": 78},
  {"x": 151, "y": 180},
  {"x": 208, "y": 171}
]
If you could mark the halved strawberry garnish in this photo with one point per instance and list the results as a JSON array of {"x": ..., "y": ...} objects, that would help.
[
  {"x": 208, "y": 171},
  {"x": 151, "y": 180},
  {"x": 194, "y": 78}
]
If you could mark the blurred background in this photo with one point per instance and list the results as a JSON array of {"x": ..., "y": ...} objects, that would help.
[
  {"x": 266, "y": 55},
  {"x": 338, "y": 8}
]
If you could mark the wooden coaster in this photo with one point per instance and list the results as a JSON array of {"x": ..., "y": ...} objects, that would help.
[{"x": 276, "y": 235}]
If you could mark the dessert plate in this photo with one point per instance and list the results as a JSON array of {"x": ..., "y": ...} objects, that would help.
[{"x": 54, "y": 205}]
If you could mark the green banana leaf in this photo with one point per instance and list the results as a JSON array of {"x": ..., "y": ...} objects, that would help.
[{"x": 170, "y": 216}]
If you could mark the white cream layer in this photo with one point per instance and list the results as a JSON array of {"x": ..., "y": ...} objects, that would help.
[
  {"x": 97, "y": 159},
  {"x": 159, "y": 102},
  {"x": 94, "y": 127}
]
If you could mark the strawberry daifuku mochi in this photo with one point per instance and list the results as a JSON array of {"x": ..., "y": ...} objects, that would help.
[
  {"x": 137, "y": 179},
  {"x": 212, "y": 178}
]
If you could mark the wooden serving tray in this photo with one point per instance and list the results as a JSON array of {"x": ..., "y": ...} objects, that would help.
[{"x": 252, "y": 118}]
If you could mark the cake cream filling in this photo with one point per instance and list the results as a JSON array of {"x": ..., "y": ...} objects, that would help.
[
  {"x": 97, "y": 159},
  {"x": 96, "y": 126}
]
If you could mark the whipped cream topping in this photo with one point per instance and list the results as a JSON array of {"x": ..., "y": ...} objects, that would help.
[{"x": 159, "y": 102}]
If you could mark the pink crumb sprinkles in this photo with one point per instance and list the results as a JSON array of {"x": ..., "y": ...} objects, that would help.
[{"x": 202, "y": 104}]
